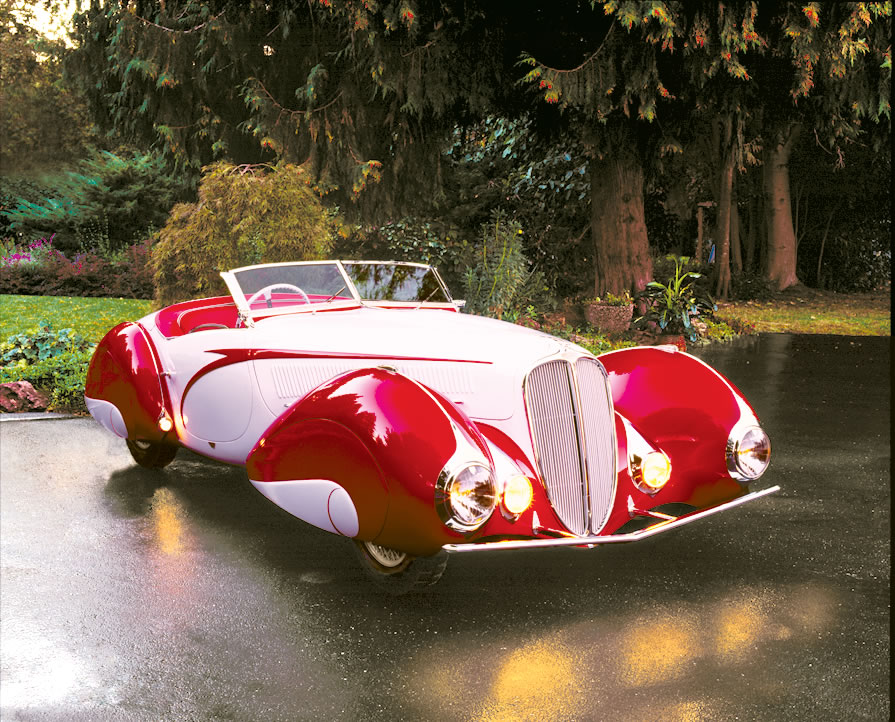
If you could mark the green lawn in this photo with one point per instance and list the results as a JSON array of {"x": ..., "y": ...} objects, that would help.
[
  {"x": 808, "y": 311},
  {"x": 90, "y": 317}
]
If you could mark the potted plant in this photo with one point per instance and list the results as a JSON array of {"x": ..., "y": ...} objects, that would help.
[
  {"x": 610, "y": 313},
  {"x": 673, "y": 307}
]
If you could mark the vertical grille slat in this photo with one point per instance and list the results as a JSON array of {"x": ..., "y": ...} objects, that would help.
[
  {"x": 599, "y": 435},
  {"x": 573, "y": 431}
]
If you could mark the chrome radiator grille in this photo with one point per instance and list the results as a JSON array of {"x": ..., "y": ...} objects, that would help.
[{"x": 573, "y": 430}]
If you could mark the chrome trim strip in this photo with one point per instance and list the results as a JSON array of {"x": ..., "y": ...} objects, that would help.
[{"x": 590, "y": 541}]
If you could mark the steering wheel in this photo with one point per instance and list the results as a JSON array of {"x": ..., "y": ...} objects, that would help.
[
  {"x": 267, "y": 289},
  {"x": 206, "y": 326}
]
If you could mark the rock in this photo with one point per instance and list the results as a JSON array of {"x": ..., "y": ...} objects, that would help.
[{"x": 22, "y": 396}]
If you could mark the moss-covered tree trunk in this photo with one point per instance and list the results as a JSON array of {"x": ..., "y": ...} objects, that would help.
[
  {"x": 781, "y": 238},
  {"x": 618, "y": 224}
]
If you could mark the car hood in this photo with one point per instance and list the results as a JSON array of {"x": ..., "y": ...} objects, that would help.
[
  {"x": 417, "y": 334},
  {"x": 476, "y": 362}
]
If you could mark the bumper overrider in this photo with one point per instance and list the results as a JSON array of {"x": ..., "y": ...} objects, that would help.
[{"x": 661, "y": 526}]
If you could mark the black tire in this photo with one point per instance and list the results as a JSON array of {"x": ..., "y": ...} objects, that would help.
[
  {"x": 396, "y": 572},
  {"x": 151, "y": 455}
]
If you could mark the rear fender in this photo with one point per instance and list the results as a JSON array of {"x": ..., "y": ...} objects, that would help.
[
  {"x": 124, "y": 389},
  {"x": 377, "y": 437}
]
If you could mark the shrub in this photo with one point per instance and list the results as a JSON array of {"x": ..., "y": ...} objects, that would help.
[
  {"x": 54, "y": 360},
  {"x": 40, "y": 344},
  {"x": 497, "y": 278},
  {"x": 245, "y": 215},
  {"x": 674, "y": 305},
  {"x": 51, "y": 273},
  {"x": 110, "y": 202},
  {"x": 63, "y": 375}
]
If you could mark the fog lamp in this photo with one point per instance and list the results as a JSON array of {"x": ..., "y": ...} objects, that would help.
[
  {"x": 165, "y": 423},
  {"x": 651, "y": 472},
  {"x": 517, "y": 495}
]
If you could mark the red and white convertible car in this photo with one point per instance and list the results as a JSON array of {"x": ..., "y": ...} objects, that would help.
[{"x": 360, "y": 400}]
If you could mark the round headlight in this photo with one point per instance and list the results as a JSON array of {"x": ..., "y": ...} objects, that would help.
[
  {"x": 465, "y": 499},
  {"x": 651, "y": 472},
  {"x": 748, "y": 452}
]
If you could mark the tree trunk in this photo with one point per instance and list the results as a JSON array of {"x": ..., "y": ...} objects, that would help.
[
  {"x": 823, "y": 241},
  {"x": 736, "y": 248},
  {"x": 781, "y": 252},
  {"x": 618, "y": 224},
  {"x": 727, "y": 161},
  {"x": 697, "y": 253}
]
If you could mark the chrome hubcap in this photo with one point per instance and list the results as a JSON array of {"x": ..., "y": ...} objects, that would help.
[{"x": 385, "y": 556}]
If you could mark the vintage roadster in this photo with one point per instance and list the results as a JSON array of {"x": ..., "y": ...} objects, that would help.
[{"x": 361, "y": 400}]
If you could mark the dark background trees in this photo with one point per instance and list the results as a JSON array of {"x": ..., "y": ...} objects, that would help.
[{"x": 600, "y": 127}]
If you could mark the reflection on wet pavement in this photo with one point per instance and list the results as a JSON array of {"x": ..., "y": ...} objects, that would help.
[{"x": 628, "y": 666}]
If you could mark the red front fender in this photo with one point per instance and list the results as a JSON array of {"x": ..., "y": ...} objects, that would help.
[
  {"x": 686, "y": 408},
  {"x": 381, "y": 437}
]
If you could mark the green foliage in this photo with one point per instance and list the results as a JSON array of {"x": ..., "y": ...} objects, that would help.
[
  {"x": 362, "y": 91},
  {"x": 43, "y": 122},
  {"x": 40, "y": 344},
  {"x": 110, "y": 202},
  {"x": 611, "y": 299},
  {"x": 245, "y": 215},
  {"x": 497, "y": 277},
  {"x": 674, "y": 305},
  {"x": 540, "y": 180},
  {"x": 63, "y": 375},
  {"x": 49, "y": 359},
  {"x": 418, "y": 240},
  {"x": 30, "y": 320}
]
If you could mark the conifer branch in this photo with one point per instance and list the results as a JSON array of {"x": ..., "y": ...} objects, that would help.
[
  {"x": 284, "y": 109},
  {"x": 588, "y": 60},
  {"x": 175, "y": 30}
]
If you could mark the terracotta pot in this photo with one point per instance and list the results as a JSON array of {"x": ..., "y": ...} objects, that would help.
[{"x": 609, "y": 319}]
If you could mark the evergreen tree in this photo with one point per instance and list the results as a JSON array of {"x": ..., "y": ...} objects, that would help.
[{"x": 362, "y": 91}]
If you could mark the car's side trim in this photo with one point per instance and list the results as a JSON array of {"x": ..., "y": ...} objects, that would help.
[
  {"x": 590, "y": 541},
  {"x": 238, "y": 355}
]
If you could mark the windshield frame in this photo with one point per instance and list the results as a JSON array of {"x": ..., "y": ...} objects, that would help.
[{"x": 248, "y": 316}]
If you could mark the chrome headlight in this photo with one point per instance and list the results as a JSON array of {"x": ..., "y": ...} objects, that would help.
[
  {"x": 748, "y": 452},
  {"x": 466, "y": 497}
]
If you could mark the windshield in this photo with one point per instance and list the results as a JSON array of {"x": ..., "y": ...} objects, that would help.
[
  {"x": 396, "y": 282},
  {"x": 287, "y": 287},
  {"x": 319, "y": 279}
]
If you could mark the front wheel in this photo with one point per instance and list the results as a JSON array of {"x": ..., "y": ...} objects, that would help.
[
  {"x": 151, "y": 455},
  {"x": 398, "y": 572}
]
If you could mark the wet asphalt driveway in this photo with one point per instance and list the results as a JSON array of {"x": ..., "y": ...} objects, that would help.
[{"x": 185, "y": 595}]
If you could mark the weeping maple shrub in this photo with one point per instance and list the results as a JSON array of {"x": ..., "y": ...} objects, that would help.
[{"x": 245, "y": 214}]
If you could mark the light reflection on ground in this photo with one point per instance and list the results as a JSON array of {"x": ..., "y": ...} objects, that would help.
[
  {"x": 167, "y": 522},
  {"x": 630, "y": 666}
]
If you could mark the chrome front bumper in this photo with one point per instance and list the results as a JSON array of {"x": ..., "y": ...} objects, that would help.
[{"x": 591, "y": 541}]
